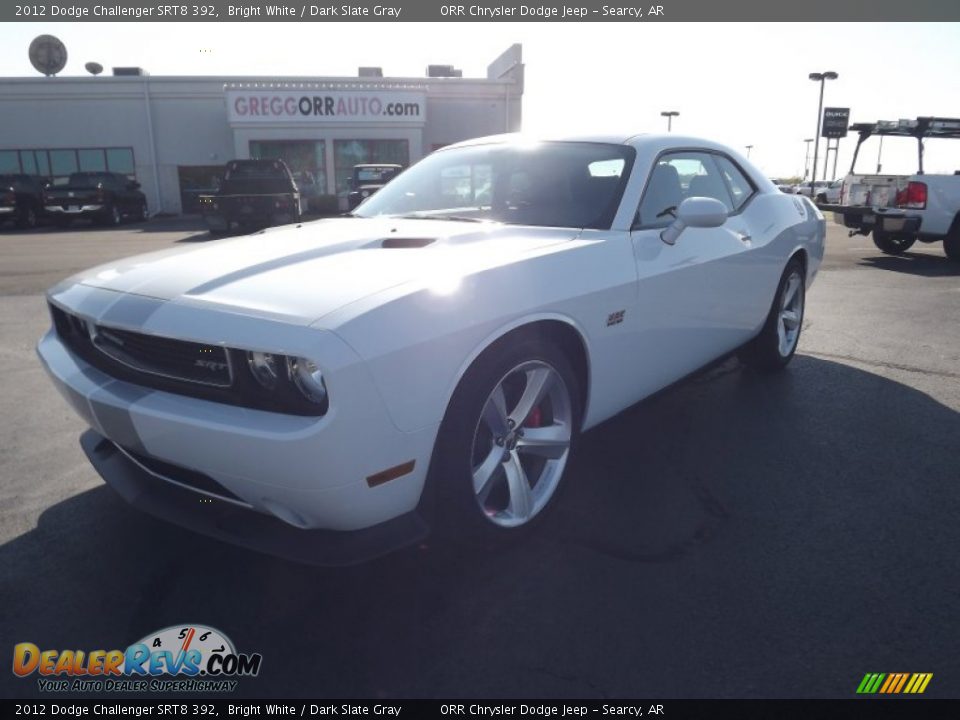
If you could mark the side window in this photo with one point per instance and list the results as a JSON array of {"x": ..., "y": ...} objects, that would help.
[
  {"x": 676, "y": 177},
  {"x": 741, "y": 189}
]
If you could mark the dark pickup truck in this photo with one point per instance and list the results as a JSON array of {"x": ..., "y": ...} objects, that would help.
[
  {"x": 104, "y": 197},
  {"x": 253, "y": 194},
  {"x": 21, "y": 199}
]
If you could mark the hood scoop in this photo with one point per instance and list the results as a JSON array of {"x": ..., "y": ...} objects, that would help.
[{"x": 401, "y": 242}]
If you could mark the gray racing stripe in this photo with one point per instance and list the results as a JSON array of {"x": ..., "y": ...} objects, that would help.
[
  {"x": 116, "y": 422},
  {"x": 132, "y": 311}
]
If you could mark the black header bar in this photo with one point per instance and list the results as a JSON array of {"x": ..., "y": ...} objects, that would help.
[{"x": 487, "y": 11}]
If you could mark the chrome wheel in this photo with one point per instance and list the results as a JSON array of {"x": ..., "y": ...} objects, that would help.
[
  {"x": 791, "y": 314},
  {"x": 521, "y": 443}
]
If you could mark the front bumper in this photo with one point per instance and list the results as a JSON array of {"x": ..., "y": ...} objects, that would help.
[
  {"x": 237, "y": 525},
  {"x": 311, "y": 473},
  {"x": 73, "y": 210}
]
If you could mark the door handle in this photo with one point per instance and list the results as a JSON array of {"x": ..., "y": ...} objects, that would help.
[{"x": 745, "y": 237}]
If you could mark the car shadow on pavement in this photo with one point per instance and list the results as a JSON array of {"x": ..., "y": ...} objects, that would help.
[
  {"x": 922, "y": 264},
  {"x": 713, "y": 525}
]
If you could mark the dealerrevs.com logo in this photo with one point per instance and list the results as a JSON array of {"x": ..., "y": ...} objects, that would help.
[{"x": 180, "y": 658}]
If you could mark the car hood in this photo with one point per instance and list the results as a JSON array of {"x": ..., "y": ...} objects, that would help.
[{"x": 301, "y": 273}]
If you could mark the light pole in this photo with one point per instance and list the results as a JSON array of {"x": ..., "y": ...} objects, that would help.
[
  {"x": 669, "y": 115},
  {"x": 821, "y": 78},
  {"x": 806, "y": 158},
  {"x": 749, "y": 148}
]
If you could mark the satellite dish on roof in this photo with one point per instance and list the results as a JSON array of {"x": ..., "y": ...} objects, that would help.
[
  {"x": 94, "y": 68},
  {"x": 47, "y": 54}
]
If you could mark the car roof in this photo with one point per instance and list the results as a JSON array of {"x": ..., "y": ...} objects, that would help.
[{"x": 657, "y": 140}]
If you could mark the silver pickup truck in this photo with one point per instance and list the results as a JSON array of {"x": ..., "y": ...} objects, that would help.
[{"x": 902, "y": 209}]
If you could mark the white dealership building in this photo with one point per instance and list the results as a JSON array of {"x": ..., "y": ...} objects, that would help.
[{"x": 174, "y": 134}]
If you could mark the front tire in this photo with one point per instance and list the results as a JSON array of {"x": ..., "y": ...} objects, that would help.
[
  {"x": 777, "y": 342},
  {"x": 951, "y": 244},
  {"x": 27, "y": 219},
  {"x": 891, "y": 244},
  {"x": 505, "y": 443},
  {"x": 112, "y": 216}
]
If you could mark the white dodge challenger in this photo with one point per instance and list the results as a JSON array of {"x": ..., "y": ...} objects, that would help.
[{"x": 331, "y": 390}]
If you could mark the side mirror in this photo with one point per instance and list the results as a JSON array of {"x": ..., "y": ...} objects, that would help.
[
  {"x": 133, "y": 185},
  {"x": 697, "y": 212}
]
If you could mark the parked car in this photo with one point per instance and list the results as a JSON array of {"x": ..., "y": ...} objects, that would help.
[
  {"x": 899, "y": 210},
  {"x": 831, "y": 194},
  {"x": 368, "y": 179},
  {"x": 785, "y": 187},
  {"x": 253, "y": 194},
  {"x": 104, "y": 197},
  {"x": 820, "y": 186},
  {"x": 334, "y": 389},
  {"x": 21, "y": 200}
]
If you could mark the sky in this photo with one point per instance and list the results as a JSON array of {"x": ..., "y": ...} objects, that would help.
[{"x": 738, "y": 83}]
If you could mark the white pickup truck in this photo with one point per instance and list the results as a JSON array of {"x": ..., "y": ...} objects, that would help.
[{"x": 901, "y": 209}]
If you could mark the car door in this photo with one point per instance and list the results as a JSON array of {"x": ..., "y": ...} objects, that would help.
[{"x": 690, "y": 294}]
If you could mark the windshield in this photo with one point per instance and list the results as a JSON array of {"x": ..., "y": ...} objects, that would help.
[{"x": 553, "y": 184}]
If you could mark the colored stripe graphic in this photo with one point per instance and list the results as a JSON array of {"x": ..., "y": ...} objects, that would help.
[
  {"x": 894, "y": 683},
  {"x": 903, "y": 679}
]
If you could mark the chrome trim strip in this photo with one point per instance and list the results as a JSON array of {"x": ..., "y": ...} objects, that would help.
[
  {"x": 157, "y": 475},
  {"x": 80, "y": 209}
]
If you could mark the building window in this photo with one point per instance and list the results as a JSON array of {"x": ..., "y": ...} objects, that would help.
[
  {"x": 8, "y": 162},
  {"x": 62, "y": 163},
  {"x": 120, "y": 160},
  {"x": 92, "y": 160},
  {"x": 347, "y": 153},
  {"x": 57, "y": 164}
]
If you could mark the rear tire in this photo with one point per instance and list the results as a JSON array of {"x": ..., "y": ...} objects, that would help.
[
  {"x": 891, "y": 244},
  {"x": 777, "y": 342},
  {"x": 504, "y": 444}
]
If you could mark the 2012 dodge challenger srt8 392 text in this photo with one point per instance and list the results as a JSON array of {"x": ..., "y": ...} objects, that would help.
[{"x": 334, "y": 389}]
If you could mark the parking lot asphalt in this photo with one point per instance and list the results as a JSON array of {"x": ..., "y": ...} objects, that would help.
[{"x": 734, "y": 536}]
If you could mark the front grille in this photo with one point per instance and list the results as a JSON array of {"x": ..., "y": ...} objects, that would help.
[
  {"x": 177, "y": 366},
  {"x": 178, "y": 360},
  {"x": 175, "y": 359}
]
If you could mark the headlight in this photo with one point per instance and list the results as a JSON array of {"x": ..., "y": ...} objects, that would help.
[
  {"x": 308, "y": 379},
  {"x": 265, "y": 368}
]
